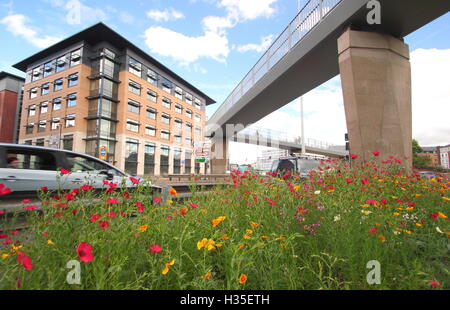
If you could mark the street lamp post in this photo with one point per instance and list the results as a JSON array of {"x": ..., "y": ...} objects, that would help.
[{"x": 301, "y": 105}]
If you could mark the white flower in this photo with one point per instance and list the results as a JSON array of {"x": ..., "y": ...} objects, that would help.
[
  {"x": 366, "y": 212},
  {"x": 337, "y": 218},
  {"x": 439, "y": 230},
  {"x": 317, "y": 192},
  {"x": 397, "y": 232}
]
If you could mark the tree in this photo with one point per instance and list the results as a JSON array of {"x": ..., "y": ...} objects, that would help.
[{"x": 419, "y": 161}]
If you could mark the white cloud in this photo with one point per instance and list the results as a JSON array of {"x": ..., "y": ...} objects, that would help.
[
  {"x": 126, "y": 17},
  {"x": 213, "y": 43},
  {"x": 78, "y": 13},
  {"x": 165, "y": 16},
  {"x": 266, "y": 41},
  {"x": 16, "y": 24}
]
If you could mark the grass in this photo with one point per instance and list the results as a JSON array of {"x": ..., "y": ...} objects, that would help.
[{"x": 256, "y": 233}]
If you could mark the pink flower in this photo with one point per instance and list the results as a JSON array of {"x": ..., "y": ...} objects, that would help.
[
  {"x": 95, "y": 217},
  {"x": 25, "y": 261},
  {"x": 193, "y": 205},
  {"x": 271, "y": 202},
  {"x": 3, "y": 236},
  {"x": 373, "y": 230},
  {"x": 134, "y": 180},
  {"x": 140, "y": 207},
  {"x": 157, "y": 199},
  {"x": 26, "y": 201},
  {"x": 434, "y": 283},
  {"x": 30, "y": 208},
  {"x": 365, "y": 182},
  {"x": 349, "y": 181},
  {"x": 103, "y": 224},
  {"x": 111, "y": 214},
  {"x": 155, "y": 248},
  {"x": 353, "y": 156},
  {"x": 7, "y": 241},
  {"x": 86, "y": 187},
  {"x": 375, "y": 153},
  {"x": 44, "y": 188}
]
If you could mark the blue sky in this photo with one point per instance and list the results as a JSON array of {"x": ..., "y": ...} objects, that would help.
[{"x": 214, "y": 43}]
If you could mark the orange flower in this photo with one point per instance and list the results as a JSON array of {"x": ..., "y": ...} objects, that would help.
[
  {"x": 166, "y": 269},
  {"x": 207, "y": 276},
  {"x": 173, "y": 192},
  {"x": 218, "y": 220},
  {"x": 143, "y": 228},
  {"x": 225, "y": 237},
  {"x": 242, "y": 279},
  {"x": 382, "y": 238},
  {"x": 254, "y": 225},
  {"x": 241, "y": 246}
]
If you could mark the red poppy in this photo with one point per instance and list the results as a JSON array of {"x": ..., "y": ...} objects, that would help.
[
  {"x": 3, "y": 236},
  {"x": 271, "y": 202},
  {"x": 112, "y": 200},
  {"x": 74, "y": 212},
  {"x": 7, "y": 241},
  {"x": 375, "y": 153},
  {"x": 95, "y": 217},
  {"x": 434, "y": 283},
  {"x": 434, "y": 216},
  {"x": 59, "y": 214},
  {"x": 14, "y": 232},
  {"x": 84, "y": 251},
  {"x": 86, "y": 187},
  {"x": 26, "y": 201},
  {"x": 103, "y": 224},
  {"x": 134, "y": 180},
  {"x": 69, "y": 197},
  {"x": 349, "y": 181},
  {"x": 126, "y": 195},
  {"x": 4, "y": 190},
  {"x": 353, "y": 156},
  {"x": 193, "y": 205},
  {"x": 373, "y": 230},
  {"x": 140, "y": 207},
  {"x": 111, "y": 214},
  {"x": 2, "y": 212},
  {"x": 30, "y": 208},
  {"x": 383, "y": 201},
  {"x": 365, "y": 182},
  {"x": 25, "y": 261},
  {"x": 64, "y": 171},
  {"x": 411, "y": 204},
  {"x": 157, "y": 199},
  {"x": 44, "y": 188},
  {"x": 45, "y": 234}
]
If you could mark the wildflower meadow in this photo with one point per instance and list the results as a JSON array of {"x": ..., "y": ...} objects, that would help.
[{"x": 257, "y": 232}]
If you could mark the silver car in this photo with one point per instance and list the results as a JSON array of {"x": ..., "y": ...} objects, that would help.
[{"x": 25, "y": 169}]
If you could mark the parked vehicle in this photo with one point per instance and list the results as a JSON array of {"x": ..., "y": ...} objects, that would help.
[
  {"x": 25, "y": 169},
  {"x": 301, "y": 165}
]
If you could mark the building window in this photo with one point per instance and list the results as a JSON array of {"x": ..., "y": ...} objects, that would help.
[
  {"x": 72, "y": 100},
  {"x": 75, "y": 58},
  {"x": 32, "y": 110},
  {"x": 33, "y": 93},
  {"x": 68, "y": 142},
  {"x": 44, "y": 107},
  {"x": 134, "y": 88},
  {"x": 150, "y": 131},
  {"x": 198, "y": 118},
  {"x": 132, "y": 125},
  {"x": 188, "y": 162},
  {"x": 58, "y": 84},
  {"x": 42, "y": 126},
  {"x": 29, "y": 129},
  {"x": 151, "y": 95},
  {"x": 164, "y": 159},
  {"x": 166, "y": 85},
  {"x": 178, "y": 123},
  {"x": 36, "y": 74},
  {"x": 48, "y": 69},
  {"x": 45, "y": 89},
  {"x": 188, "y": 127},
  {"x": 135, "y": 67},
  {"x": 188, "y": 141},
  {"x": 165, "y": 118},
  {"x": 133, "y": 106},
  {"x": 165, "y": 134},
  {"x": 178, "y": 93},
  {"x": 149, "y": 158},
  {"x": 151, "y": 113},
  {"x": 198, "y": 133},
  {"x": 177, "y": 161},
  {"x": 70, "y": 120},
  {"x": 198, "y": 103},
  {"x": 56, "y": 104},
  {"x": 188, "y": 98},
  {"x": 73, "y": 79},
  {"x": 152, "y": 77},
  {"x": 56, "y": 123},
  {"x": 178, "y": 139},
  {"x": 179, "y": 109},
  {"x": 131, "y": 155},
  {"x": 166, "y": 103},
  {"x": 188, "y": 113},
  {"x": 40, "y": 142},
  {"x": 61, "y": 64}
]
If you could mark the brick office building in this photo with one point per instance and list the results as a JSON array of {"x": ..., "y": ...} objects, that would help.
[
  {"x": 11, "y": 88},
  {"x": 96, "y": 90}
]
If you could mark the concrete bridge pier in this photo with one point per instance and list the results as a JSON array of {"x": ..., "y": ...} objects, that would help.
[
  {"x": 219, "y": 162},
  {"x": 376, "y": 83}
]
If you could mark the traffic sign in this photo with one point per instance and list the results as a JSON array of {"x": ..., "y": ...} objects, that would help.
[
  {"x": 200, "y": 159},
  {"x": 103, "y": 152},
  {"x": 202, "y": 150}
]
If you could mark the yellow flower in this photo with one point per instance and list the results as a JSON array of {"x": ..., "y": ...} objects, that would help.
[
  {"x": 206, "y": 243},
  {"x": 166, "y": 269},
  {"x": 446, "y": 198},
  {"x": 16, "y": 249},
  {"x": 418, "y": 225},
  {"x": 218, "y": 220},
  {"x": 365, "y": 205},
  {"x": 204, "y": 211},
  {"x": 442, "y": 215},
  {"x": 366, "y": 212},
  {"x": 296, "y": 188},
  {"x": 143, "y": 228},
  {"x": 254, "y": 225},
  {"x": 249, "y": 231},
  {"x": 409, "y": 208},
  {"x": 219, "y": 245},
  {"x": 264, "y": 237},
  {"x": 407, "y": 232},
  {"x": 170, "y": 202},
  {"x": 394, "y": 197},
  {"x": 5, "y": 255},
  {"x": 50, "y": 242},
  {"x": 280, "y": 238},
  {"x": 417, "y": 195},
  {"x": 247, "y": 237},
  {"x": 396, "y": 214},
  {"x": 173, "y": 192},
  {"x": 202, "y": 243}
]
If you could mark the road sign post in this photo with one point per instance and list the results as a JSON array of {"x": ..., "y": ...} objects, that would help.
[{"x": 103, "y": 153}]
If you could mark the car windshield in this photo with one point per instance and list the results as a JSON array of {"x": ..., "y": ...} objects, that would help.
[{"x": 308, "y": 164}]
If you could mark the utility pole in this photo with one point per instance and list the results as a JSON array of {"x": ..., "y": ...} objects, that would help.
[{"x": 301, "y": 106}]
